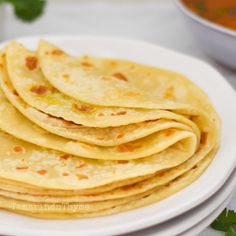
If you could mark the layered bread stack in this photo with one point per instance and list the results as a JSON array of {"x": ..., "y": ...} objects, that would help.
[{"x": 86, "y": 136}]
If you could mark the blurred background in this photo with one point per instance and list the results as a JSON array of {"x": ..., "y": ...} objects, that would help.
[
  {"x": 151, "y": 20},
  {"x": 156, "y": 21}
]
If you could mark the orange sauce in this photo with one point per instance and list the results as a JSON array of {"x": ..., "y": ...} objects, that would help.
[{"x": 222, "y": 12}]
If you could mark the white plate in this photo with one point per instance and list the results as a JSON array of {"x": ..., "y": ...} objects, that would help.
[
  {"x": 192, "y": 218},
  {"x": 222, "y": 96},
  {"x": 198, "y": 228}
]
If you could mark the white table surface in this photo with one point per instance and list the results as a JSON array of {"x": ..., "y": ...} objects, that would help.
[{"x": 156, "y": 21}]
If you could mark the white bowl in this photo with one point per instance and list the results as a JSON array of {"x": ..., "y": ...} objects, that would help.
[
  {"x": 217, "y": 41},
  {"x": 206, "y": 77}
]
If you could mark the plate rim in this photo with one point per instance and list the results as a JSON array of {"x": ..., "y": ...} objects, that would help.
[{"x": 215, "y": 201}]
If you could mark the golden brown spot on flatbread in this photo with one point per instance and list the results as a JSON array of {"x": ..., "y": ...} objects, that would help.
[
  {"x": 128, "y": 147},
  {"x": 120, "y": 113},
  {"x": 131, "y": 94},
  {"x": 122, "y": 161},
  {"x": 203, "y": 139},
  {"x": 169, "y": 93},
  {"x": 1, "y": 65},
  {"x": 161, "y": 174},
  {"x": 22, "y": 167},
  {"x": 127, "y": 187},
  {"x": 86, "y": 64},
  {"x": 82, "y": 107},
  {"x": 193, "y": 117},
  {"x": 57, "y": 52},
  {"x": 65, "y": 174},
  {"x": 15, "y": 92},
  {"x": 40, "y": 90},
  {"x": 66, "y": 123},
  {"x": 81, "y": 176},
  {"x": 18, "y": 149},
  {"x": 195, "y": 167},
  {"x": 120, "y": 135},
  {"x": 31, "y": 62},
  {"x": 120, "y": 76},
  {"x": 100, "y": 114},
  {"x": 81, "y": 165},
  {"x": 4, "y": 56},
  {"x": 169, "y": 132},
  {"x": 41, "y": 172},
  {"x": 66, "y": 76},
  {"x": 64, "y": 156}
]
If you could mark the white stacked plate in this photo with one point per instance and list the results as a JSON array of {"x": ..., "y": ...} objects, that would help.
[
  {"x": 186, "y": 212},
  {"x": 194, "y": 221}
]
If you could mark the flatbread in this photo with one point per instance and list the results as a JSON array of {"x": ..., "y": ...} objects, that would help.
[
  {"x": 151, "y": 182},
  {"x": 85, "y": 137},
  {"x": 35, "y": 90},
  {"x": 57, "y": 211}
]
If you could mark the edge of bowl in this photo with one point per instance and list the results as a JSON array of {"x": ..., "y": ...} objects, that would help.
[{"x": 203, "y": 21}]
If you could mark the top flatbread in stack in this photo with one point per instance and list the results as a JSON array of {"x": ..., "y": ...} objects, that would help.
[{"x": 83, "y": 137}]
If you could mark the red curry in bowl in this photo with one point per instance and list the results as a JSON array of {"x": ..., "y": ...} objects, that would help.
[{"x": 222, "y": 12}]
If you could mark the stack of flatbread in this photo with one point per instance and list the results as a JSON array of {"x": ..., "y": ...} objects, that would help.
[{"x": 85, "y": 136}]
